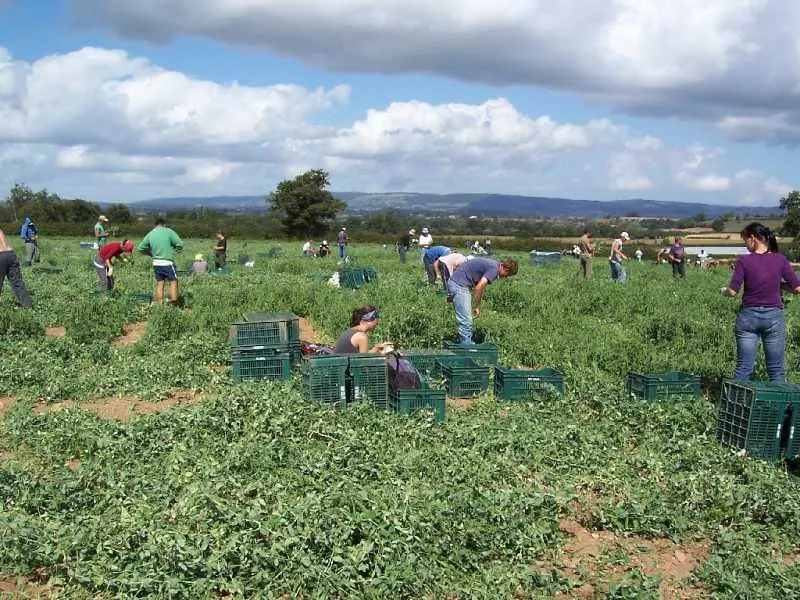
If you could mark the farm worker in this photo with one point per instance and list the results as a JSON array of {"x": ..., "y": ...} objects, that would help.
[
  {"x": 764, "y": 272},
  {"x": 356, "y": 338},
  {"x": 404, "y": 244},
  {"x": 200, "y": 264},
  {"x": 30, "y": 235},
  {"x": 446, "y": 265},
  {"x": 9, "y": 268},
  {"x": 488, "y": 245},
  {"x": 307, "y": 248},
  {"x": 587, "y": 249},
  {"x": 324, "y": 249},
  {"x": 425, "y": 242},
  {"x": 103, "y": 262},
  {"x": 676, "y": 256},
  {"x": 639, "y": 254},
  {"x": 221, "y": 250},
  {"x": 161, "y": 244},
  {"x": 429, "y": 258},
  {"x": 100, "y": 233},
  {"x": 617, "y": 256},
  {"x": 342, "y": 241},
  {"x": 474, "y": 275}
]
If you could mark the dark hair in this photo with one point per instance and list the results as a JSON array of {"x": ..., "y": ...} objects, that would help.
[
  {"x": 587, "y": 231},
  {"x": 763, "y": 234},
  {"x": 125, "y": 240},
  {"x": 677, "y": 239},
  {"x": 355, "y": 318},
  {"x": 510, "y": 266},
  {"x": 160, "y": 222},
  {"x": 220, "y": 232}
]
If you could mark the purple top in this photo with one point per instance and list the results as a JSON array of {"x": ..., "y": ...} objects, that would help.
[
  {"x": 677, "y": 251},
  {"x": 762, "y": 275}
]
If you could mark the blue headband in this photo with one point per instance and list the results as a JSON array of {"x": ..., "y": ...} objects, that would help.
[{"x": 371, "y": 316}]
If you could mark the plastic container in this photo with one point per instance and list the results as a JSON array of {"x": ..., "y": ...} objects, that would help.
[
  {"x": 661, "y": 386},
  {"x": 521, "y": 384}
]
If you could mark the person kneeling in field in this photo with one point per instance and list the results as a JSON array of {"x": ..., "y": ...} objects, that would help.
[
  {"x": 103, "y": 262},
  {"x": 475, "y": 275},
  {"x": 9, "y": 267},
  {"x": 161, "y": 244},
  {"x": 200, "y": 264},
  {"x": 356, "y": 338}
]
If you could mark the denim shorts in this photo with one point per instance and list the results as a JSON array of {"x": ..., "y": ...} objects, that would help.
[{"x": 165, "y": 273}]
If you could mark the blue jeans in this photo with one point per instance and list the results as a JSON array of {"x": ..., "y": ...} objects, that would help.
[
  {"x": 617, "y": 271},
  {"x": 342, "y": 250},
  {"x": 462, "y": 301},
  {"x": 429, "y": 270},
  {"x": 769, "y": 326}
]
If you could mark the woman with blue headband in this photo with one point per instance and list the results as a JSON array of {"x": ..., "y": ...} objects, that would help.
[{"x": 356, "y": 339}]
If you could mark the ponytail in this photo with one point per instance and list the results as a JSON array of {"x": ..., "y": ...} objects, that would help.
[{"x": 763, "y": 234}]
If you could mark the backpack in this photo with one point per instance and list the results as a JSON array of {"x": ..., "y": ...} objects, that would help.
[{"x": 402, "y": 374}]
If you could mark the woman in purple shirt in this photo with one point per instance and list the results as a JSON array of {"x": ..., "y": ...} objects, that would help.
[{"x": 764, "y": 273}]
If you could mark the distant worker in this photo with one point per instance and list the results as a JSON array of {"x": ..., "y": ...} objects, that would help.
[
  {"x": 618, "y": 273},
  {"x": 429, "y": 258},
  {"x": 676, "y": 255},
  {"x": 404, "y": 245},
  {"x": 103, "y": 262},
  {"x": 220, "y": 250},
  {"x": 9, "y": 269},
  {"x": 161, "y": 244},
  {"x": 342, "y": 240},
  {"x": 763, "y": 273},
  {"x": 29, "y": 233},
  {"x": 478, "y": 249},
  {"x": 100, "y": 233},
  {"x": 356, "y": 339},
  {"x": 587, "y": 248},
  {"x": 472, "y": 277},
  {"x": 200, "y": 264},
  {"x": 426, "y": 239},
  {"x": 639, "y": 254},
  {"x": 307, "y": 248},
  {"x": 488, "y": 246},
  {"x": 324, "y": 249}
]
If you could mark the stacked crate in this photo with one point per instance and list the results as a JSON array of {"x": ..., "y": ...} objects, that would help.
[
  {"x": 759, "y": 418},
  {"x": 368, "y": 379},
  {"x": 522, "y": 384},
  {"x": 484, "y": 354},
  {"x": 265, "y": 346},
  {"x": 409, "y": 401},
  {"x": 464, "y": 377},
  {"x": 325, "y": 379},
  {"x": 425, "y": 361}
]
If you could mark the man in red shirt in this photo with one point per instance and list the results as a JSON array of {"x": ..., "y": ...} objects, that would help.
[{"x": 104, "y": 258}]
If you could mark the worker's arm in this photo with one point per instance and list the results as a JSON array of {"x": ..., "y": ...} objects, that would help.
[
  {"x": 479, "y": 289},
  {"x": 177, "y": 242},
  {"x": 737, "y": 279}
]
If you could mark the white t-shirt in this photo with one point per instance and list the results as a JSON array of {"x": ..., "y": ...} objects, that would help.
[
  {"x": 452, "y": 261},
  {"x": 306, "y": 246},
  {"x": 426, "y": 240}
]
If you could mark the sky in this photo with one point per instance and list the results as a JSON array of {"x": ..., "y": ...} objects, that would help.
[{"x": 118, "y": 101}]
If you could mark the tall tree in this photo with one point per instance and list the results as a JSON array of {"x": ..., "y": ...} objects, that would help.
[
  {"x": 791, "y": 204},
  {"x": 304, "y": 205}
]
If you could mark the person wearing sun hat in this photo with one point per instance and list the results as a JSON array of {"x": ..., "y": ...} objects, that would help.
[
  {"x": 103, "y": 262},
  {"x": 100, "y": 233},
  {"x": 617, "y": 256},
  {"x": 200, "y": 264}
]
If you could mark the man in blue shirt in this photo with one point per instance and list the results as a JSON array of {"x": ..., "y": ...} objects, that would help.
[
  {"x": 429, "y": 258},
  {"x": 475, "y": 275}
]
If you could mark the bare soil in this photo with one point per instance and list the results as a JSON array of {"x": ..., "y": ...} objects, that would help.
[
  {"x": 606, "y": 558},
  {"x": 6, "y": 404},
  {"x": 132, "y": 333},
  {"x": 460, "y": 403},
  {"x": 308, "y": 334},
  {"x": 7, "y": 456},
  {"x": 122, "y": 408},
  {"x": 56, "y": 332},
  {"x": 13, "y": 586}
]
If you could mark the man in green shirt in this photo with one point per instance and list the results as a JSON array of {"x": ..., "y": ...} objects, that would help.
[
  {"x": 161, "y": 244},
  {"x": 100, "y": 233}
]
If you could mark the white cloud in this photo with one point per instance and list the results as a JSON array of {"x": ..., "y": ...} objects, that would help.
[
  {"x": 665, "y": 56},
  {"x": 101, "y": 124}
]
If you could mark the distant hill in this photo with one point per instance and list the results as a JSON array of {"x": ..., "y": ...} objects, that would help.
[{"x": 476, "y": 204}]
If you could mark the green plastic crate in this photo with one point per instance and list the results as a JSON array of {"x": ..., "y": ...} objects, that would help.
[
  {"x": 464, "y": 378},
  {"x": 407, "y": 402},
  {"x": 268, "y": 330},
  {"x": 370, "y": 275},
  {"x": 661, "y": 386},
  {"x": 752, "y": 417},
  {"x": 325, "y": 379},
  {"x": 425, "y": 361},
  {"x": 522, "y": 384},
  {"x": 484, "y": 354},
  {"x": 368, "y": 379},
  {"x": 142, "y": 296},
  {"x": 793, "y": 447},
  {"x": 351, "y": 278},
  {"x": 250, "y": 366}
]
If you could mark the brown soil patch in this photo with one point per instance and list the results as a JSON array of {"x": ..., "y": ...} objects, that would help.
[
  {"x": 7, "y": 456},
  {"x": 6, "y": 404},
  {"x": 307, "y": 333},
  {"x": 11, "y": 587},
  {"x": 460, "y": 403},
  {"x": 122, "y": 408},
  {"x": 217, "y": 368},
  {"x": 132, "y": 333},
  {"x": 606, "y": 557},
  {"x": 73, "y": 464},
  {"x": 56, "y": 332}
]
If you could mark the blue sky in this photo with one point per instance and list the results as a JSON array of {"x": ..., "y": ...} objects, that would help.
[{"x": 231, "y": 97}]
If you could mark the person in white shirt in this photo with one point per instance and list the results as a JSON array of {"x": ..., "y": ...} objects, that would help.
[
  {"x": 307, "y": 248},
  {"x": 639, "y": 254},
  {"x": 446, "y": 266},
  {"x": 617, "y": 256},
  {"x": 425, "y": 242}
]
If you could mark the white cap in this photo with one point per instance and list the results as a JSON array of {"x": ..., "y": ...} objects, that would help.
[
  {"x": 624, "y": 235},
  {"x": 102, "y": 218},
  {"x": 412, "y": 231},
  {"x": 424, "y": 230}
]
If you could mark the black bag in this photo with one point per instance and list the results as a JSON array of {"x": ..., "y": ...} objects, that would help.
[{"x": 402, "y": 374}]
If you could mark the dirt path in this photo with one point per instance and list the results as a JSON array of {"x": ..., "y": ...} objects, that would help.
[
  {"x": 606, "y": 558},
  {"x": 132, "y": 333},
  {"x": 56, "y": 332},
  {"x": 6, "y": 404},
  {"x": 122, "y": 408},
  {"x": 308, "y": 334}
]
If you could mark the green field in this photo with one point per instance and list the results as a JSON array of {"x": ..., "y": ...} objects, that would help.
[{"x": 206, "y": 489}]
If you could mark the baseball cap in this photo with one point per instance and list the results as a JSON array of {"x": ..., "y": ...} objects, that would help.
[
  {"x": 624, "y": 235},
  {"x": 102, "y": 218},
  {"x": 424, "y": 230},
  {"x": 412, "y": 231}
]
